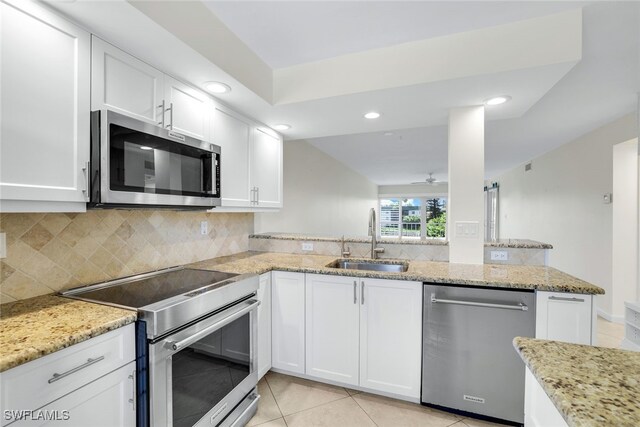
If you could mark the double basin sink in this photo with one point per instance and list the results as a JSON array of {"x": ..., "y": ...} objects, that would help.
[{"x": 370, "y": 265}]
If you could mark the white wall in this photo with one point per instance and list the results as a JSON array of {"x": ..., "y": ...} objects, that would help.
[
  {"x": 625, "y": 225},
  {"x": 560, "y": 202},
  {"x": 321, "y": 196},
  {"x": 416, "y": 190}
]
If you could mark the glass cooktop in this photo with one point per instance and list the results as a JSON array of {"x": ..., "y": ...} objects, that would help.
[{"x": 138, "y": 293}]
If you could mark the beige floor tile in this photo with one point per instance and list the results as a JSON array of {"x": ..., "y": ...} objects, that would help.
[
  {"x": 392, "y": 413},
  {"x": 295, "y": 394},
  {"x": 274, "y": 423},
  {"x": 604, "y": 340},
  {"x": 610, "y": 328},
  {"x": 267, "y": 406},
  {"x": 472, "y": 422},
  {"x": 343, "y": 412}
]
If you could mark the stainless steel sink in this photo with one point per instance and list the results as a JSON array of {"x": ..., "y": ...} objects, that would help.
[{"x": 348, "y": 264}]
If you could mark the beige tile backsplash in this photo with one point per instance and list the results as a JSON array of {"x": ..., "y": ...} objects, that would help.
[{"x": 54, "y": 251}]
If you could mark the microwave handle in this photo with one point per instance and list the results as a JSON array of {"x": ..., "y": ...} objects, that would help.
[{"x": 179, "y": 345}]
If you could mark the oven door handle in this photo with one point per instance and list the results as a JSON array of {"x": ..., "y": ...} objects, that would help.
[{"x": 179, "y": 345}]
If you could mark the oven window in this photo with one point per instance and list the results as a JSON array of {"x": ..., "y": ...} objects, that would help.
[
  {"x": 205, "y": 372},
  {"x": 145, "y": 163}
]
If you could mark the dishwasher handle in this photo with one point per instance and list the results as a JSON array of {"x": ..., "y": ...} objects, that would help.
[{"x": 519, "y": 306}]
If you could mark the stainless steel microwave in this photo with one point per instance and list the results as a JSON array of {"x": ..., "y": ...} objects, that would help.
[{"x": 137, "y": 164}]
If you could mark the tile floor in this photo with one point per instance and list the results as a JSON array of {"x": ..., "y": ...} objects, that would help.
[
  {"x": 609, "y": 334},
  {"x": 294, "y": 402}
]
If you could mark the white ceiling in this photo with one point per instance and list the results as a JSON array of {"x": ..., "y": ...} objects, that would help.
[
  {"x": 552, "y": 104},
  {"x": 603, "y": 86},
  {"x": 286, "y": 33}
]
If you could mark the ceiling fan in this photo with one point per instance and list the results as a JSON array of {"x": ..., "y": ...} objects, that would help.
[{"x": 429, "y": 181}]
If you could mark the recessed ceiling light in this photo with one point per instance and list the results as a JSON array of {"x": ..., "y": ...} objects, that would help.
[
  {"x": 372, "y": 115},
  {"x": 217, "y": 87},
  {"x": 388, "y": 133},
  {"x": 497, "y": 100},
  {"x": 144, "y": 147},
  {"x": 282, "y": 126}
]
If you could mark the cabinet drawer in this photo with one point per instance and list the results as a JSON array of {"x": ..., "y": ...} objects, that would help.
[{"x": 35, "y": 384}]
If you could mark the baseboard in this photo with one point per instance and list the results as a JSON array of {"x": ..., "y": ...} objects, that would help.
[{"x": 609, "y": 317}]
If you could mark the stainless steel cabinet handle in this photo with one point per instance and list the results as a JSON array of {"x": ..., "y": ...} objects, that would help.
[
  {"x": 161, "y": 106},
  {"x": 257, "y": 195},
  {"x": 88, "y": 363},
  {"x": 566, "y": 299},
  {"x": 362, "y": 292},
  {"x": 519, "y": 306},
  {"x": 355, "y": 291},
  {"x": 178, "y": 345},
  {"x": 87, "y": 176},
  {"x": 133, "y": 399},
  {"x": 170, "y": 110}
]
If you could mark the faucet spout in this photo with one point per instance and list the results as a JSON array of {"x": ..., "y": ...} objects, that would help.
[{"x": 375, "y": 250}]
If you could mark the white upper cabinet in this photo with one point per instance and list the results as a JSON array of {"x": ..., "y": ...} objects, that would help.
[
  {"x": 44, "y": 127},
  {"x": 565, "y": 317},
  {"x": 186, "y": 109},
  {"x": 232, "y": 133},
  {"x": 332, "y": 327},
  {"x": 123, "y": 83},
  {"x": 266, "y": 168}
]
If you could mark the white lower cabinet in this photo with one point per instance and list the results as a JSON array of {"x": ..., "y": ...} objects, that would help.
[
  {"x": 288, "y": 335},
  {"x": 565, "y": 317},
  {"x": 391, "y": 336},
  {"x": 264, "y": 324},
  {"x": 539, "y": 411},
  {"x": 332, "y": 328},
  {"x": 365, "y": 332},
  {"x": 93, "y": 381}
]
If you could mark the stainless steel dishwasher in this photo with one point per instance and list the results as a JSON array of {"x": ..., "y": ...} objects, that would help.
[{"x": 468, "y": 360}]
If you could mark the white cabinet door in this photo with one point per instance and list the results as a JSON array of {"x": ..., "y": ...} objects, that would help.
[
  {"x": 44, "y": 126},
  {"x": 187, "y": 110},
  {"x": 266, "y": 168},
  {"x": 123, "y": 83},
  {"x": 264, "y": 324},
  {"x": 232, "y": 133},
  {"x": 106, "y": 402},
  {"x": 332, "y": 328},
  {"x": 391, "y": 336},
  {"x": 287, "y": 293},
  {"x": 564, "y": 317}
]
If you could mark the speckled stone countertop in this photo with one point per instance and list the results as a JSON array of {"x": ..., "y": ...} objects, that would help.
[
  {"x": 590, "y": 386},
  {"x": 502, "y": 243},
  {"x": 35, "y": 327},
  {"x": 500, "y": 276}
]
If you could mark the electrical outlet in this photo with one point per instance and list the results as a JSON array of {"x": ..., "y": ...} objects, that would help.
[
  {"x": 307, "y": 246},
  {"x": 499, "y": 256},
  {"x": 204, "y": 228},
  {"x": 3, "y": 245}
]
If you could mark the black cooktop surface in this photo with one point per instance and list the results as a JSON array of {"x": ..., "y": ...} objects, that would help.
[{"x": 138, "y": 293}]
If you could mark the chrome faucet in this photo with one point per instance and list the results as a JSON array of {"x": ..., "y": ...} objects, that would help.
[
  {"x": 375, "y": 250},
  {"x": 345, "y": 252}
]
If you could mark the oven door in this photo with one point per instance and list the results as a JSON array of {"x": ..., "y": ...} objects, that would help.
[
  {"x": 200, "y": 373},
  {"x": 143, "y": 164}
]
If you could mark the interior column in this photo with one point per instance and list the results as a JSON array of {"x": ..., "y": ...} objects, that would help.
[{"x": 465, "y": 216}]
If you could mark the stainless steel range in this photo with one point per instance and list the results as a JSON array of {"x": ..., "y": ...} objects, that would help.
[{"x": 196, "y": 344}]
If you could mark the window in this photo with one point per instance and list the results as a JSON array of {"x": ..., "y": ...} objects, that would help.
[{"x": 413, "y": 217}]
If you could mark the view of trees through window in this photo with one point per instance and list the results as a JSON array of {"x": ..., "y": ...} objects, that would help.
[{"x": 413, "y": 217}]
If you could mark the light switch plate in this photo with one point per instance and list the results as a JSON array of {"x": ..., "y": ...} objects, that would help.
[
  {"x": 307, "y": 246},
  {"x": 3, "y": 245},
  {"x": 467, "y": 229}
]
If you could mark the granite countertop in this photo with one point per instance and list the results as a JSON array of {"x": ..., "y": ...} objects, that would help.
[
  {"x": 35, "y": 327},
  {"x": 590, "y": 386},
  {"x": 502, "y": 243},
  {"x": 500, "y": 276}
]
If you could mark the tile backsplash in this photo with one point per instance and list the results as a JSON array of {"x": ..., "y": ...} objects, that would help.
[{"x": 54, "y": 251}]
